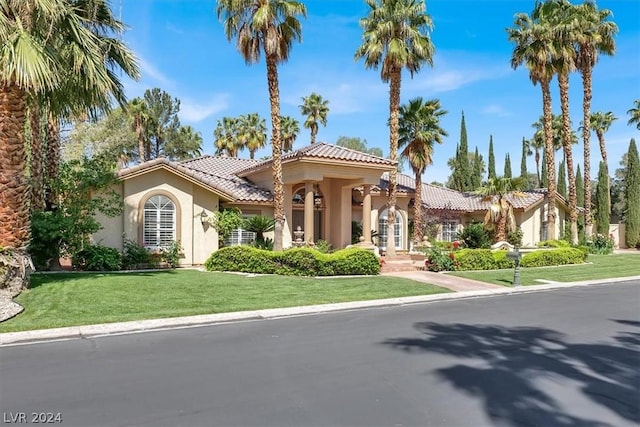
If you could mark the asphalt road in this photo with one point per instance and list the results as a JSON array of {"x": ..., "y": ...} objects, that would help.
[{"x": 562, "y": 358}]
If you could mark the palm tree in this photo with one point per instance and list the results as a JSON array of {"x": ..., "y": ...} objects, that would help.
[
  {"x": 316, "y": 110},
  {"x": 50, "y": 48},
  {"x": 140, "y": 118},
  {"x": 533, "y": 48},
  {"x": 226, "y": 137},
  {"x": 601, "y": 122},
  {"x": 419, "y": 130},
  {"x": 593, "y": 36},
  {"x": 396, "y": 36},
  {"x": 635, "y": 114},
  {"x": 270, "y": 26},
  {"x": 289, "y": 129},
  {"x": 253, "y": 132},
  {"x": 561, "y": 16},
  {"x": 499, "y": 216}
]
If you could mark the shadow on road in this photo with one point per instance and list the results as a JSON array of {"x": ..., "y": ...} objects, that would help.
[{"x": 507, "y": 361}]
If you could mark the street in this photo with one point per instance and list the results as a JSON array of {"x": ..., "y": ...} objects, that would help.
[{"x": 568, "y": 357}]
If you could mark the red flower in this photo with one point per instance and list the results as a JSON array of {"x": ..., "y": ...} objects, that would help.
[
  {"x": 456, "y": 244},
  {"x": 451, "y": 256}
]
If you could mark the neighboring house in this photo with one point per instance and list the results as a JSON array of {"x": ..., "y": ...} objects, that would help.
[{"x": 326, "y": 187}]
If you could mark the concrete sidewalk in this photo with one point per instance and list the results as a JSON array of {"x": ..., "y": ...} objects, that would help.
[
  {"x": 472, "y": 289},
  {"x": 457, "y": 284}
]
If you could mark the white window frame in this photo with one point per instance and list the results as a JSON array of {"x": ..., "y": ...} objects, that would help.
[
  {"x": 449, "y": 231},
  {"x": 398, "y": 229},
  {"x": 159, "y": 223},
  {"x": 240, "y": 236}
]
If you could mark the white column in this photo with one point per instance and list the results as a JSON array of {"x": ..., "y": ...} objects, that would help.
[
  {"x": 366, "y": 215},
  {"x": 308, "y": 211}
]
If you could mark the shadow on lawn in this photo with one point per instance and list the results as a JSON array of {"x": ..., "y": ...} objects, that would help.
[
  {"x": 607, "y": 374},
  {"x": 45, "y": 277}
]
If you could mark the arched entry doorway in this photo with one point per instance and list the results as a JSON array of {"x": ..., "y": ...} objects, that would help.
[{"x": 298, "y": 214}]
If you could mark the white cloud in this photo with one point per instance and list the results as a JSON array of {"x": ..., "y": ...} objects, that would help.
[
  {"x": 496, "y": 110},
  {"x": 148, "y": 70},
  {"x": 194, "y": 112}
]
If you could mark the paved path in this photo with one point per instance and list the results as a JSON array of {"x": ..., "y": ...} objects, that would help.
[{"x": 457, "y": 284}]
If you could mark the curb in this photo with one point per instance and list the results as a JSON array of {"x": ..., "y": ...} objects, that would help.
[{"x": 110, "y": 329}]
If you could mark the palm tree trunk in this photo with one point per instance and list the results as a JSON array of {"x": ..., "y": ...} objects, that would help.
[
  {"x": 37, "y": 167},
  {"x": 563, "y": 81},
  {"x": 394, "y": 126},
  {"x": 586, "y": 134},
  {"x": 314, "y": 131},
  {"x": 14, "y": 188},
  {"x": 549, "y": 151},
  {"x": 417, "y": 210},
  {"x": 278, "y": 187},
  {"x": 603, "y": 147},
  {"x": 501, "y": 229}
]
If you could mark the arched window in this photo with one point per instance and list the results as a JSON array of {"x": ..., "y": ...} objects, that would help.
[
  {"x": 382, "y": 229},
  {"x": 158, "y": 222}
]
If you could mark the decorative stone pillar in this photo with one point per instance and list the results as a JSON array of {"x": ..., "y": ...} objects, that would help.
[
  {"x": 308, "y": 211},
  {"x": 366, "y": 214}
]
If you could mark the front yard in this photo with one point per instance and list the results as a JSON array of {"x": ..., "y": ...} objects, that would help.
[
  {"x": 597, "y": 267},
  {"x": 58, "y": 300}
]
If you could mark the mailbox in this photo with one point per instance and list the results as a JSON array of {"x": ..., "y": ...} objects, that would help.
[{"x": 515, "y": 255}]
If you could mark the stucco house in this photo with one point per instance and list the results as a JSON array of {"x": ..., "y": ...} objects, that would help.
[{"x": 326, "y": 187}]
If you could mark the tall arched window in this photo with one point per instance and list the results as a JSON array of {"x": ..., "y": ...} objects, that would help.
[
  {"x": 158, "y": 222},
  {"x": 397, "y": 229}
]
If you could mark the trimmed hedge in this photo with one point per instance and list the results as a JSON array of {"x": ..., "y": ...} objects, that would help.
[
  {"x": 294, "y": 262},
  {"x": 485, "y": 259},
  {"x": 559, "y": 256}
]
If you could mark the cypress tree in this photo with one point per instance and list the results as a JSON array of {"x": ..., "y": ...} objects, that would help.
[
  {"x": 478, "y": 169},
  {"x": 580, "y": 202},
  {"x": 603, "y": 201},
  {"x": 524, "y": 174},
  {"x": 561, "y": 188},
  {"x": 492, "y": 159},
  {"x": 632, "y": 195},
  {"x": 507, "y": 166},
  {"x": 544, "y": 179},
  {"x": 463, "y": 159}
]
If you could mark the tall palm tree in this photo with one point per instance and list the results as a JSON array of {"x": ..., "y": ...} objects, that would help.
[
  {"x": 226, "y": 137},
  {"x": 316, "y": 110},
  {"x": 269, "y": 27},
  {"x": 289, "y": 129},
  {"x": 253, "y": 131},
  {"x": 634, "y": 114},
  {"x": 396, "y": 36},
  {"x": 419, "y": 130},
  {"x": 50, "y": 47},
  {"x": 533, "y": 48},
  {"x": 500, "y": 216},
  {"x": 140, "y": 118},
  {"x": 601, "y": 122},
  {"x": 593, "y": 36},
  {"x": 561, "y": 16}
]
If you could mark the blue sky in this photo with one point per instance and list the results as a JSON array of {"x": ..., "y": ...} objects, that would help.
[{"x": 183, "y": 50}]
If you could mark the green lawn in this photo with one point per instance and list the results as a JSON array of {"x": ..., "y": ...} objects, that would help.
[
  {"x": 597, "y": 267},
  {"x": 56, "y": 300}
]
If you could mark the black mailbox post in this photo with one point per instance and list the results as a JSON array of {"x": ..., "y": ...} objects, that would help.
[{"x": 515, "y": 255}]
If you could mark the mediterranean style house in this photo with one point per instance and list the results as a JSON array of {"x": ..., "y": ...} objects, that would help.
[{"x": 326, "y": 188}]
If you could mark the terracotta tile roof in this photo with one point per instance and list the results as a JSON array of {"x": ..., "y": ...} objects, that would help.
[
  {"x": 434, "y": 197},
  {"x": 217, "y": 173},
  {"x": 323, "y": 150}
]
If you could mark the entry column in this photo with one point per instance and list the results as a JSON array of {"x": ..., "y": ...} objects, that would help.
[
  {"x": 366, "y": 214},
  {"x": 308, "y": 211}
]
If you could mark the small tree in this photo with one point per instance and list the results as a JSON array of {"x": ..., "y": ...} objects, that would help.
[
  {"x": 499, "y": 216},
  {"x": 225, "y": 221},
  {"x": 632, "y": 195},
  {"x": 492, "y": 159},
  {"x": 603, "y": 201}
]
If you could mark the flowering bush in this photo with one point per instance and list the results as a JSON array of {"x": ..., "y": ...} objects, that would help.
[
  {"x": 440, "y": 260},
  {"x": 601, "y": 244}
]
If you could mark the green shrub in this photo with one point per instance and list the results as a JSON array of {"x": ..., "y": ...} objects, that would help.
[
  {"x": 475, "y": 236},
  {"x": 515, "y": 237},
  {"x": 172, "y": 254},
  {"x": 601, "y": 245},
  {"x": 475, "y": 259},
  {"x": 97, "y": 258},
  {"x": 323, "y": 246},
  {"x": 440, "y": 260},
  {"x": 502, "y": 261},
  {"x": 560, "y": 256},
  {"x": 353, "y": 261},
  {"x": 134, "y": 255},
  {"x": 554, "y": 244},
  {"x": 296, "y": 261},
  {"x": 241, "y": 258}
]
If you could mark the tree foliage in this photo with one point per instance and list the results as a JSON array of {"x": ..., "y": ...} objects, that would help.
[
  {"x": 632, "y": 196},
  {"x": 492, "y": 160},
  {"x": 603, "y": 202}
]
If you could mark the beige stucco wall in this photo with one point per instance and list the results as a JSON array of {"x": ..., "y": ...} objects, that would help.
[
  {"x": 617, "y": 231},
  {"x": 198, "y": 241}
]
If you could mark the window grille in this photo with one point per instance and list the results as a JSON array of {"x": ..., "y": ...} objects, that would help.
[
  {"x": 449, "y": 231},
  {"x": 159, "y": 222},
  {"x": 383, "y": 230}
]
